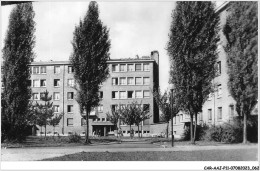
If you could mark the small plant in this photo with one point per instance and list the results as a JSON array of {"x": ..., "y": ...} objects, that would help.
[
  {"x": 74, "y": 138},
  {"x": 200, "y": 132}
]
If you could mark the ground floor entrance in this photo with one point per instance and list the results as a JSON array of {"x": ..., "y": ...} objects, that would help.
[{"x": 102, "y": 130}]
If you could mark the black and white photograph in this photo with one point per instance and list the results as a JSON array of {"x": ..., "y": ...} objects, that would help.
[{"x": 102, "y": 83}]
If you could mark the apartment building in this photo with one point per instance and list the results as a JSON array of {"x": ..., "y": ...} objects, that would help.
[
  {"x": 129, "y": 80},
  {"x": 220, "y": 105}
]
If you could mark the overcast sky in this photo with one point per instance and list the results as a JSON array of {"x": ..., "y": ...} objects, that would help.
[{"x": 136, "y": 28}]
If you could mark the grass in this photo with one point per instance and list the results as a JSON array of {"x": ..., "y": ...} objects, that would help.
[
  {"x": 204, "y": 155},
  {"x": 61, "y": 141},
  {"x": 50, "y": 141}
]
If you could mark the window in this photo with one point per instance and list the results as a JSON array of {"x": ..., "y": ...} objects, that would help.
[
  {"x": 42, "y": 95},
  {"x": 71, "y": 82},
  {"x": 114, "y": 107},
  {"x": 219, "y": 67},
  {"x": 219, "y": 92},
  {"x": 138, "y": 80},
  {"x": 101, "y": 94},
  {"x": 220, "y": 113},
  {"x": 70, "y": 95},
  {"x": 138, "y": 94},
  {"x": 70, "y": 122},
  {"x": 210, "y": 114},
  {"x": 130, "y": 94},
  {"x": 122, "y": 67},
  {"x": 122, "y": 81},
  {"x": 56, "y": 69},
  {"x": 231, "y": 110},
  {"x": 98, "y": 119},
  {"x": 146, "y": 80},
  {"x": 122, "y": 95},
  {"x": 36, "y": 96},
  {"x": 70, "y": 69},
  {"x": 56, "y": 96},
  {"x": 36, "y": 83},
  {"x": 36, "y": 70},
  {"x": 83, "y": 122},
  {"x": 130, "y": 67},
  {"x": 138, "y": 67},
  {"x": 103, "y": 119},
  {"x": 100, "y": 108},
  {"x": 43, "y": 83},
  {"x": 115, "y": 94},
  {"x": 56, "y": 108},
  {"x": 114, "y": 81},
  {"x": 146, "y": 93},
  {"x": 201, "y": 116},
  {"x": 146, "y": 67},
  {"x": 210, "y": 96},
  {"x": 70, "y": 108},
  {"x": 56, "y": 82},
  {"x": 43, "y": 70},
  {"x": 146, "y": 107},
  {"x": 130, "y": 81},
  {"x": 122, "y": 106},
  {"x": 181, "y": 117},
  {"x": 115, "y": 68}
]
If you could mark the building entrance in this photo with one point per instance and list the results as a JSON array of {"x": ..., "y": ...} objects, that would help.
[{"x": 102, "y": 130}]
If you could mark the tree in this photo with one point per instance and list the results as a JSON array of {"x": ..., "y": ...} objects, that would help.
[
  {"x": 241, "y": 31},
  {"x": 55, "y": 120},
  {"x": 141, "y": 113},
  {"x": 91, "y": 46},
  {"x": 114, "y": 117},
  {"x": 17, "y": 56},
  {"x": 128, "y": 115},
  {"x": 144, "y": 114},
  {"x": 44, "y": 111},
  {"x": 163, "y": 101},
  {"x": 192, "y": 49}
]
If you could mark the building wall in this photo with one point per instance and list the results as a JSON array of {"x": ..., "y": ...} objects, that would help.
[
  {"x": 219, "y": 100},
  {"x": 98, "y": 121}
]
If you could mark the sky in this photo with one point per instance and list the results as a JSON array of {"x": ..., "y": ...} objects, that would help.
[{"x": 135, "y": 28}]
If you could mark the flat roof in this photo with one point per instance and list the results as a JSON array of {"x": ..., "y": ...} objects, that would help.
[{"x": 128, "y": 60}]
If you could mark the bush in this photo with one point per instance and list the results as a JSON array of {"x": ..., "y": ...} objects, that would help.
[
  {"x": 227, "y": 132},
  {"x": 74, "y": 138},
  {"x": 200, "y": 132}
]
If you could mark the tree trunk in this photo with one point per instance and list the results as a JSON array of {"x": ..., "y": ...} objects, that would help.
[
  {"x": 245, "y": 129},
  {"x": 41, "y": 131},
  {"x": 142, "y": 129},
  {"x": 116, "y": 131},
  {"x": 195, "y": 128},
  {"x": 138, "y": 131},
  {"x": 167, "y": 130},
  {"x": 130, "y": 132},
  {"x": 87, "y": 129},
  {"x": 45, "y": 131},
  {"x": 191, "y": 128}
]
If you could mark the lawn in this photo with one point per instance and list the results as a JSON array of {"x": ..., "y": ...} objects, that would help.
[
  {"x": 63, "y": 141},
  {"x": 50, "y": 141},
  {"x": 204, "y": 155}
]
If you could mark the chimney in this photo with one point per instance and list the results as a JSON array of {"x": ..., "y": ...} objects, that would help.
[{"x": 155, "y": 56}]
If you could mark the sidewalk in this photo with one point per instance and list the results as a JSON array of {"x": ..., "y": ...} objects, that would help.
[{"x": 30, "y": 154}]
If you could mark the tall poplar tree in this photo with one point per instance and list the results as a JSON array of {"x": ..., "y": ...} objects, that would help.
[
  {"x": 241, "y": 30},
  {"x": 17, "y": 56},
  {"x": 91, "y": 46},
  {"x": 192, "y": 49}
]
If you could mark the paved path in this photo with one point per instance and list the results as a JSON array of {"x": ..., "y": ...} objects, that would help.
[{"x": 39, "y": 153}]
